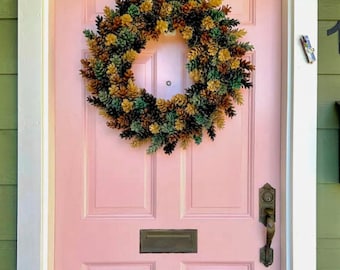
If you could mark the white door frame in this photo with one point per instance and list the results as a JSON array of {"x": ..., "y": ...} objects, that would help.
[{"x": 36, "y": 136}]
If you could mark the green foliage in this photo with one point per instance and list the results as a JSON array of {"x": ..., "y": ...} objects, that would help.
[
  {"x": 156, "y": 142},
  {"x": 140, "y": 104},
  {"x": 136, "y": 127},
  {"x": 89, "y": 34},
  {"x": 213, "y": 75},
  {"x": 99, "y": 70},
  {"x": 103, "y": 96},
  {"x": 116, "y": 104},
  {"x": 133, "y": 10},
  {"x": 198, "y": 139},
  {"x": 116, "y": 60},
  {"x": 215, "y": 33}
]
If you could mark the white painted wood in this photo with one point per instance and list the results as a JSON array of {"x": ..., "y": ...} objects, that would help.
[
  {"x": 299, "y": 138},
  {"x": 35, "y": 210},
  {"x": 35, "y": 141}
]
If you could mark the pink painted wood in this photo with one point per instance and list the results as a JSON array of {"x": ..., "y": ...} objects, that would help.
[{"x": 106, "y": 191}]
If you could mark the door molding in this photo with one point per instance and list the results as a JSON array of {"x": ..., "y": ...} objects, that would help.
[{"x": 36, "y": 136}]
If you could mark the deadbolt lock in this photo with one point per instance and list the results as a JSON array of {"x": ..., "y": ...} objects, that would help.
[{"x": 266, "y": 202}]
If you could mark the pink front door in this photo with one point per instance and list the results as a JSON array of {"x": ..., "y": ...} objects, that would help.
[{"x": 107, "y": 192}]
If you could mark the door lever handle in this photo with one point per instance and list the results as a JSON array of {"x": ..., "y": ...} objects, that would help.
[
  {"x": 267, "y": 252},
  {"x": 267, "y": 218}
]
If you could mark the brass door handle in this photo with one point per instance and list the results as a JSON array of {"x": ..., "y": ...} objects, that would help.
[
  {"x": 267, "y": 252},
  {"x": 267, "y": 218}
]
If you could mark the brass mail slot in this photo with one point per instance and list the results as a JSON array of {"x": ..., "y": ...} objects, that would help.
[{"x": 168, "y": 241}]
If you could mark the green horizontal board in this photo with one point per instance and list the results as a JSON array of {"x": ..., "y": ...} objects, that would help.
[
  {"x": 328, "y": 254},
  {"x": 8, "y": 255},
  {"x": 8, "y": 9},
  {"x": 8, "y": 102},
  {"x": 8, "y": 46},
  {"x": 328, "y": 51},
  {"x": 328, "y": 259},
  {"x": 328, "y": 211},
  {"x": 329, "y": 10},
  {"x": 328, "y": 156},
  {"x": 8, "y": 217},
  {"x": 8, "y": 157},
  {"x": 328, "y": 94}
]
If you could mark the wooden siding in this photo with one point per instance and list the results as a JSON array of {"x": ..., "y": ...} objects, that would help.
[
  {"x": 8, "y": 133},
  {"x": 328, "y": 223}
]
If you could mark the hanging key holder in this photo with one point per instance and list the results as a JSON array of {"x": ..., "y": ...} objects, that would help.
[{"x": 308, "y": 49}]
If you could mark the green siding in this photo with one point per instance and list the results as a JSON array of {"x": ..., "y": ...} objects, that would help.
[
  {"x": 328, "y": 218},
  {"x": 328, "y": 227},
  {"x": 8, "y": 149},
  {"x": 8, "y": 51},
  {"x": 329, "y": 10},
  {"x": 7, "y": 255},
  {"x": 328, "y": 156},
  {"x": 8, "y": 104},
  {"x": 8, "y": 133},
  {"x": 8, "y": 9},
  {"x": 328, "y": 53}
]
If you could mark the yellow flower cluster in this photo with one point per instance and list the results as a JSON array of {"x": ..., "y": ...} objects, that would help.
[
  {"x": 179, "y": 99},
  {"x": 130, "y": 55},
  {"x": 133, "y": 90},
  {"x": 195, "y": 75},
  {"x": 126, "y": 19},
  {"x": 194, "y": 52},
  {"x": 110, "y": 39},
  {"x": 166, "y": 9},
  {"x": 214, "y": 3},
  {"x": 224, "y": 55},
  {"x": 190, "y": 109},
  {"x": 127, "y": 105},
  {"x": 187, "y": 32},
  {"x": 162, "y": 26},
  {"x": 235, "y": 63},
  {"x": 214, "y": 85},
  {"x": 112, "y": 72},
  {"x": 208, "y": 23},
  {"x": 107, "y": 11},
  {"x": 238, "y": 96},
  {"x": 219, "y": 118},
  {"x": 111, "y": 69},
  {"x": 162, "y": 105},
  {"x": 212, "y": 49},
  {"x": 92, "y": 43},
  {"x": 146, "y": 6},
  {"x": 114, "y": 90},
  {"x": 154, "y": 128},
  {"x": 179, "y": 125}
]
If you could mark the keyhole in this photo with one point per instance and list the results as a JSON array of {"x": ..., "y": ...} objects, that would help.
[{"x": 267, "y": 197}]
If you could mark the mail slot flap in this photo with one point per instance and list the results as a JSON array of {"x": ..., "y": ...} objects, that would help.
[{"x": 168, "y": 241}]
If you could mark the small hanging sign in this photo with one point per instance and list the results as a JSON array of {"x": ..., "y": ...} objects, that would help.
[
  {"x": 334, "y": 29},
  {"x": 308, "y": 49}
]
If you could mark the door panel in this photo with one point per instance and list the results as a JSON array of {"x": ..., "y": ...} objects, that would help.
[{"x": 106, "y": 191}]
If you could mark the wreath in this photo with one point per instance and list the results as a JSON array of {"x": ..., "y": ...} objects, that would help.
[{"x": 215, "y": 65}]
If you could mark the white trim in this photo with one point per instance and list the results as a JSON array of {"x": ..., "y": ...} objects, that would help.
[
  {"x": 35, "y": 139},
  {"x": 35, "y": 201},
  {"x": 300, "y": 138}
]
